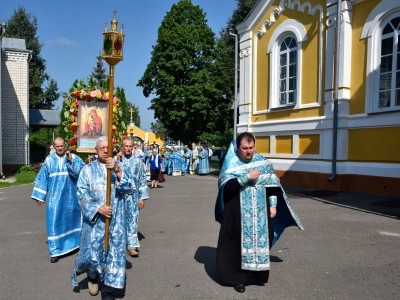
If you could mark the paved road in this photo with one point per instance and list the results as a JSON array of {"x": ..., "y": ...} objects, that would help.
[{"x": 346, "y": 252}]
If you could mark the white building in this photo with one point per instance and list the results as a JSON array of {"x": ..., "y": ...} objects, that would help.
[{"x": 14, "y": 99}]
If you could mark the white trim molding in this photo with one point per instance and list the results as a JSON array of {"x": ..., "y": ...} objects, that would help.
[{"x": 343, "y": 168}]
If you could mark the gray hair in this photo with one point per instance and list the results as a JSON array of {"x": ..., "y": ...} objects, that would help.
[{"x": 101, "y": 139}]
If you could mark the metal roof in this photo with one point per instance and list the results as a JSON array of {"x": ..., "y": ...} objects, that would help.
[
  {"x": 14, "y": 44},
  {"x": 44, "y": 118}
]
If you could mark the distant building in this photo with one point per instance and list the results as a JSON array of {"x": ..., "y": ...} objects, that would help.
[
  {"x": 14, "y": 99},
  {"x": 296, "y": 63}
]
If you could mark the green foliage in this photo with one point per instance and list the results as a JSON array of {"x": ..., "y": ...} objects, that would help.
[
  {"x": 41, "y": 136},
  {"x": 218, "y": 139},
  {"x": 25, "y": 174},
  {"x": 135, "y": 114},
  {"x": 183, "y": 77},
  {"x": 99, "y": 72},
  {"x": 43, "y": 91},
  {"x": 125, "y": 107},
  {"x": 26, "y": 169},
  {"x": 158, "y": 127}
]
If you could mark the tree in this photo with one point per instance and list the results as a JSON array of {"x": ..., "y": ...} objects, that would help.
[
  {"x": 135, "y": 113},
  {"x": 99, "y": 72},
  {"x": 126, "y": 107},
  {"x": 43, "y": 91},
  {"x": 158, "y": 127},
  {"x": 182, "y": 75}
]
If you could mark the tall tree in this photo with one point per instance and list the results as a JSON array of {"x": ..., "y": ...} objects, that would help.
[
  {"x": 99, "y": 72},
  {"x": 126, "y": 107},
  {"x": 135, "y": 114},
  {"x": 158, "y": 127},
  {"x": 182, "y": 74},
  {"x": 43, "y": 91}
]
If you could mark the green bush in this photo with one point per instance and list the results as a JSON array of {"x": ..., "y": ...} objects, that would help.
[
  {"x": 25, "y": 174},
  {"x": 27, "y": 169}
]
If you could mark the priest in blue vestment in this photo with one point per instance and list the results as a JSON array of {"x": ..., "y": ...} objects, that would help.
[
  {"x": 133, "y": 201},
  {"x": 253, "y": 210},
  {"x": 166, "y": 161},
  {"x": 188, "y": 157},
  {"x": 110, "y": 265},
  {"x": 203, "y": 166},
  {"x": 176, "y": 162},
  {"x": 55, "y": 185}
]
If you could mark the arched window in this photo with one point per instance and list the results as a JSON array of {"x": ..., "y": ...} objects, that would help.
[
  {"x": 288, "y": 72},
  {"x": 382, "y": 31},
  {"x": 389, "y": 77},
  {"x": 285, "y": 49}
]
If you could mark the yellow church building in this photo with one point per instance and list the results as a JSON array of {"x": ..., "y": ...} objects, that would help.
[{"x": 320, "y": 90}]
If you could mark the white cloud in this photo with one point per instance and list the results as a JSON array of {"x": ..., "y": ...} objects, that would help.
[{"x": 63, "y": 41}]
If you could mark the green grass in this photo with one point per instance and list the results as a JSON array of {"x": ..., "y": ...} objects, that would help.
[{"x": 22, "y": 177}]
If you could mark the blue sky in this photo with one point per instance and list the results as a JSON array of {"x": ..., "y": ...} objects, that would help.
[{"x": 71, "y": 32}]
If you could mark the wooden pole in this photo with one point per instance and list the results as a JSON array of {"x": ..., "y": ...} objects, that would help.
[{"x": 110, "y": 149}]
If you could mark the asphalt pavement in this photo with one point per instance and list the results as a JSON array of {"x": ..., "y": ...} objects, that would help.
[{"x": 349, "y": 250}]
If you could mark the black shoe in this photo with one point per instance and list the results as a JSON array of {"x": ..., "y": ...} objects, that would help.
[
  {"x": 54, "y": 259},
  {"x": 240, "y": 288}
]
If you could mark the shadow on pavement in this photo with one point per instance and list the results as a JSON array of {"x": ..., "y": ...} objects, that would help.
[
  {"x": 208, "y": 256},
  {"x": 377, "y": 204}
]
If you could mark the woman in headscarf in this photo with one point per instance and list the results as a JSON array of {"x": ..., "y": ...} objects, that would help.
[{"x": 155, "y": 163}]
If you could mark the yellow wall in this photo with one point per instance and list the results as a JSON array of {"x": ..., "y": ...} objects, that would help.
[
  {"x": 309, "y": 144},
  {"x": 309, "y": 76},
  {"x": 358, "y": 57},
  {"x": 263, "y": 144},
  {"x": 375, "y": 144},
  {"x": 284, "y": 144}
]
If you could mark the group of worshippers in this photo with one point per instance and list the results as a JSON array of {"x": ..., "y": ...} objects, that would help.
[
  {"x": 251, "y": 207},
  {"x": 194, "y": 160},
  {"x": 77, "y": 214}
]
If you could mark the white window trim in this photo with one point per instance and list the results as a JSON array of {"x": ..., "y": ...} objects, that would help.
[
  {"x": 285, "y": 29},
  {"x": 379, "y": 16}
]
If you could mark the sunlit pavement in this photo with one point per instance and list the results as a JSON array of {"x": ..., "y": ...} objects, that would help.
[{"x": 349, "y": 250}]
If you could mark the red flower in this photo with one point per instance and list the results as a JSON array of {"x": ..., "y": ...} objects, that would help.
[
  {"x": 75, "y": 112},
  {"x": 72, "y": 142},
  {"x": 88, "y": 97},
  {"x": 73, "y": 128},
  {"x": 78, "y": 95}
]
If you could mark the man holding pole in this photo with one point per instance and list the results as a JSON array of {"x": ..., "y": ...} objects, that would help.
[{"x": 96, "y": 258}]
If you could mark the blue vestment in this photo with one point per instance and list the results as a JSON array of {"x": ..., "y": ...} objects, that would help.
[
  {"x": 92, "y": 258},
  {"x": 253, "y": 207},
  {"x": 188, "y": 158},
  {"x": 56, "y": 183},
  {"x": 166, "y": 162},
  {"x": 138, "y": 173},
  {"x": 203, "y": 166},
  {"x": 176, "y": 163}
]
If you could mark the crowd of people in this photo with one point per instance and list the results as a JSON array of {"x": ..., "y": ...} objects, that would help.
[
  {"x": 104, "y": 227},
  {"x": 188, "y": 160}
]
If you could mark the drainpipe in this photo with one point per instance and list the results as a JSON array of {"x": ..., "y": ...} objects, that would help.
[
  {"x": 336, "y": 96},
  {"x": 2, "y": 32},
  {"x": 231, "y": 32}
]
